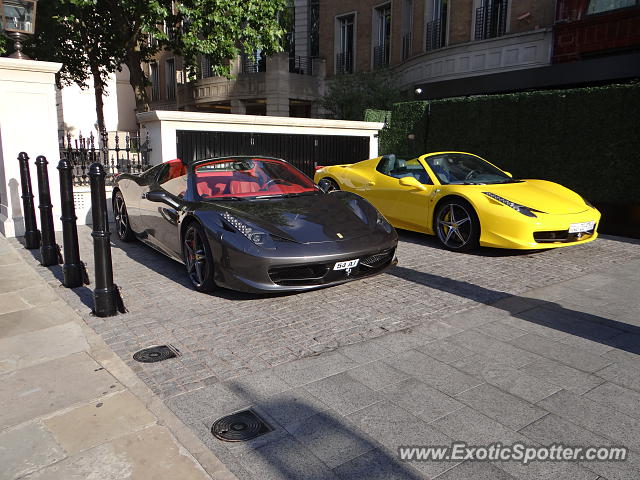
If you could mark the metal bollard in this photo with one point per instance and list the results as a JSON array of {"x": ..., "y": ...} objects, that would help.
[
  {"x": 106, "y": 296},
  {"x": 49, "y": 250},
  {"x": 73, "y": 269},
  {"x": 31, "y": 234}
]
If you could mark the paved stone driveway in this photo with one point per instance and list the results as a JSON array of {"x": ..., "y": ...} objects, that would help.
[{"x": 413, "y": 357}]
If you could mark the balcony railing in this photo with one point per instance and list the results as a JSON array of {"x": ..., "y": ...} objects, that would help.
[
  {"x": 380, "y": 56},
  {"x": 491, "y": 20},
  {"x": 406, "y": 45},
  {"x": 253, "y": 63},
  {"x": 435, "y": 35},
  {"x": 344, "y": 62},
  {"x": 301, "y": 65}
]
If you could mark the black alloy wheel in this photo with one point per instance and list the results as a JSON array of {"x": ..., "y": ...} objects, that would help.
[
  {"x": 328, "y": 185},
  {"x": 198, "y": 258},
  {"x": 123, "y": 228},
  {"x": 457, "y": 226}
]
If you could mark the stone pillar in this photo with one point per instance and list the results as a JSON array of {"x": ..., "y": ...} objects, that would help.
[
  {"x": 28, "y": 123},
  {"x": 277, "y": 85},
  {"x": 238, "y": 107}
]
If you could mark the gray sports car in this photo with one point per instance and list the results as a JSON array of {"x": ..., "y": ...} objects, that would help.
[{"x": 252, "y": 224}]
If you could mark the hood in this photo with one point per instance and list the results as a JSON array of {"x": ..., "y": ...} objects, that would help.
[
  {"x": 334, "y": 217},
  {"x": 542, "y": 195}
]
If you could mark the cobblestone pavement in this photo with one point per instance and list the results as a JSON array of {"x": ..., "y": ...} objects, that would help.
[
  {"x": 496, "y": 346},
  {"x": 230, "y": 334}
]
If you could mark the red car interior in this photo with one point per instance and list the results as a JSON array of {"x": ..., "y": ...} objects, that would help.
[{"x": 256, "y": 181}]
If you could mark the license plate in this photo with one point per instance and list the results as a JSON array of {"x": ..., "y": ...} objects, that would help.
[
  {"x": 347, "y": 264},
  {"x": 581, "y": 227}
]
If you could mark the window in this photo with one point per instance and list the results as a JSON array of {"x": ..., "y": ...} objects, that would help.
[
  {"x": 155, "y": 81},
  {"x": 599, "y": 6},
  {"x": 170, "y": 79},
  {"x": 436, "y": 28},
  {"x": 407, "y": 28},
  {"x": 399, "y": 168},
  {"x": 346, "y": 44},
  {"x": 314, "y": 28},
  {"x": 254, "y": 62},
  {"x": 173, "y": 178},
  {"x": 382, "y": 36},
  {"x": 491, "y": 19}
]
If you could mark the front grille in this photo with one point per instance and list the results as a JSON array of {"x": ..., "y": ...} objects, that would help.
[
  {"x": 299, "y": 275},
  {"x": 377, "y": 259},
  {"x": 560, "y": 236},
  {"x": 323, "y": 273}
]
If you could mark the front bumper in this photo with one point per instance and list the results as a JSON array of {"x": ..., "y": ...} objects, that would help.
[
  {"x": 510, "y": 229},
  {"x": 244, "y": 267}
]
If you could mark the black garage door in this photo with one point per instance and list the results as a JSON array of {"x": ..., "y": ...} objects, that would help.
[{"x": 303, "y": 151}]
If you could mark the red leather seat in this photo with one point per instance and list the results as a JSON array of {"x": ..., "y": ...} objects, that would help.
[{"x": 243, "y": 186}]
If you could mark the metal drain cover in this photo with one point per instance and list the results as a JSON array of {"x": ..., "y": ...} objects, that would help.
[
  {"x": 155, "y": 354},
  {"x": 239, "y": 427}
]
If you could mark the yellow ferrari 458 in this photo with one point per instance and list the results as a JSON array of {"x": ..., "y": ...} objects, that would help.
[{"x": 467, "y": 201}]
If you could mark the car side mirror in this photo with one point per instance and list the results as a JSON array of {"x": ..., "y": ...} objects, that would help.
[
  {"x": 509, "y": 174},
  {"x": 159, "y": 196},
  {"x": 412, "y": 182}
]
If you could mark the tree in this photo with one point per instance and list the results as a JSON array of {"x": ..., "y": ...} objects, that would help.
[
  {"x": 77, "y": 34},
  {"x": 349, "y": 95},
  {"x": 95, "y": 37}
]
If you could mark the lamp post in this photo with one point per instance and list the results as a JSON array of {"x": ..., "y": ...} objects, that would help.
[{"x": 18, "y": 20}]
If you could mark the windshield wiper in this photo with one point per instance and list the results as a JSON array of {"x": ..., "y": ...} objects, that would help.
[{"x": 225, "y": 198}]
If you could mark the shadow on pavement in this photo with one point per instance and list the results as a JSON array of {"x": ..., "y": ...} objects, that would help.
[
  {"x": 302, "y": 435},
  {"x": 588, "y": 326}
]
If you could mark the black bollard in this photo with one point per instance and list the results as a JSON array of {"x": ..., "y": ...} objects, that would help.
[
  {"x": 106, "y": 297},
  {"x": 73, "y": 270},
  {"x": 31, "y": 233},
  {"x": 49, "y": 250}
]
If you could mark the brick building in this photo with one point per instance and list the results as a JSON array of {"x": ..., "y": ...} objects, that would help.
[{"x": 460, "y": 47}]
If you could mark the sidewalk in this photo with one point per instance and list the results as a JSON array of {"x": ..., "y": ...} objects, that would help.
[{"x": 71, "y": 409}]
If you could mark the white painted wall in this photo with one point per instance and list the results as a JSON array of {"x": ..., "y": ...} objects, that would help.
[
  {"x": 78, "y": 106},
  {"x": 163, "y": 125},
  {"x": 29, "y": 123}
]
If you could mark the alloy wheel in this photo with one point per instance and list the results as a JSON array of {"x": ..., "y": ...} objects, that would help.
[
  {"x": 455, "y": 227},
  {"x": 121, "y": 217},
  {"x": 195, "y": 257}
]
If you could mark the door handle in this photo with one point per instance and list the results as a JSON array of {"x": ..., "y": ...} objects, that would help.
[{"x": 371, "y": 184}]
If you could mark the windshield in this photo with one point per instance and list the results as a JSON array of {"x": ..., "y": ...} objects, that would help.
[
  {"x": 244, "y": 177},
  {"x": 461, "y": 168}
]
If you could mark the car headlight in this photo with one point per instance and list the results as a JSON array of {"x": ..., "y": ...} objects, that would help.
[
  {"x": 383, "y": 223},
  {"x": 516, "y": 206},
  {"x": 259, "y": 238}
]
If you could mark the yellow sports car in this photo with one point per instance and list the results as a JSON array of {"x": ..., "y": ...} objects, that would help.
[{"x": 467, "y": 201}]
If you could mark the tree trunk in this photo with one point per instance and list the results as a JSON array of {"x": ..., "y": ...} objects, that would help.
[
  {"x": 98, "y": 88},
  {"x": 138, "y": 80}
]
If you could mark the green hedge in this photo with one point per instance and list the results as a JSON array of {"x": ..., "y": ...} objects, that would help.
[
  {"x": 372, "y": 115},
  {"x": 587, "y": 139}
]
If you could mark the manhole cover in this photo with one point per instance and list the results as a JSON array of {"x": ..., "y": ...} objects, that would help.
[
  {"x": 239, "y": 427},
  {"x": 155, "y": 354}
]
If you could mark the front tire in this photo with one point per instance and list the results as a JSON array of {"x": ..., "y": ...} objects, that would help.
[
  {"x": 123, "y": 228},
  {"x": 457, "y": 226},
  {"x": 198, "y": 259}
]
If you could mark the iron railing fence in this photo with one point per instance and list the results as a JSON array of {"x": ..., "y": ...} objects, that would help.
[
  {"x": 344, "y": 62},
  {"x": 491, "y": 20},
  {"x": 117, "y": 155},
  {"x": 435, "y": 35},
  {"x": 253, "y": 63},
  {"x": 380, "y": 56},
  {"x": 301, "y": 65}
]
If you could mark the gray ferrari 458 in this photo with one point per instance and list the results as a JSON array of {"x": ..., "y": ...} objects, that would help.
[{"x": 252, "y": 224}]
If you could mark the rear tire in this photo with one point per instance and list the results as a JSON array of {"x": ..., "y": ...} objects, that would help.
[
  {"x": 457, "y": 226},
  {"x": 328, "y": 185},
  {"x": 123, "y": 228},
  {"x": 198, "y": 258}
]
